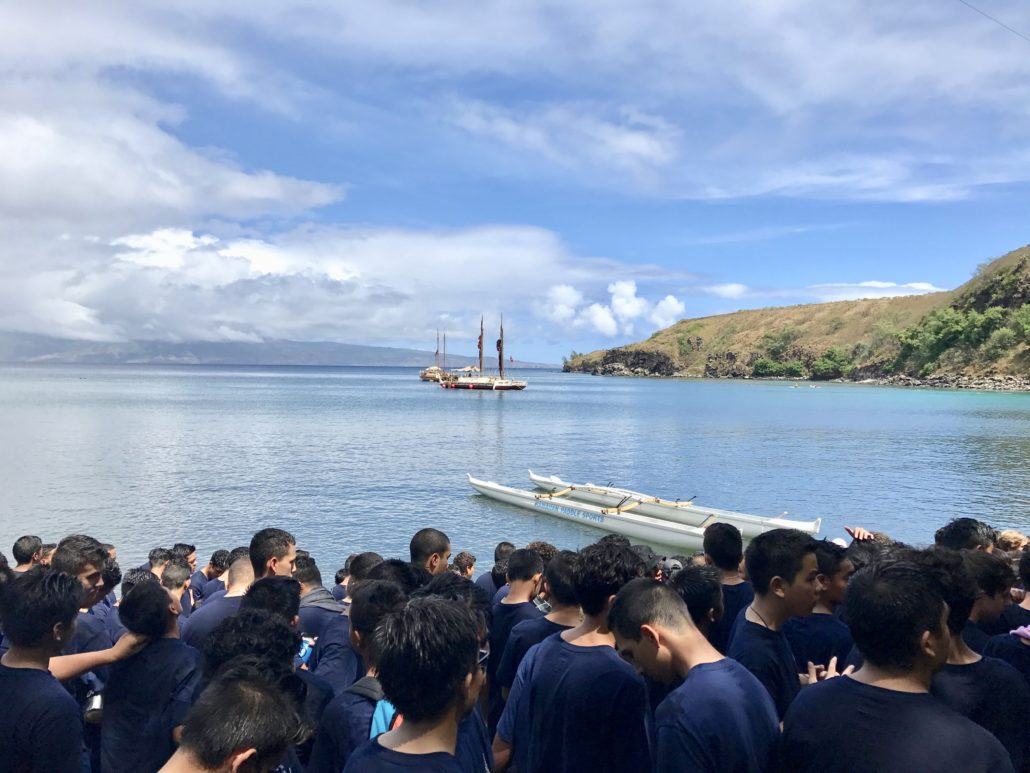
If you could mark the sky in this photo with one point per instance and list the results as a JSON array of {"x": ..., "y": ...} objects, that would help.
[{"x": 370, "y": 172}]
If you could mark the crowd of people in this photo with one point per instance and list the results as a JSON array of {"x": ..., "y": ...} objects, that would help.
[{"x": 795, "y": 654}]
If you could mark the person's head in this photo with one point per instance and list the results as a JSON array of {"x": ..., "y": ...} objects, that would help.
[
  {"x": 700, "y": 587},
  {"x": 6, "y": 573},
  {"x": 359, "y": 567},
  {"x": 724, "y": 546},
  {"x": 545, "y": 550},
  {"x": 559, "y": 586},
  {"x": 219, "y": 564},
  {"x": 305, "y": 571},
  {"x": 27, "y": 550},
  {"x": 112, "y": 574},
  {"x": 464, "y": 591},
  {"x": 644, "y": 618},
  {"x": 252, "y": 633},
  {"x": 341, "y": 576},
  {"x": 134, "y": 577},
  {"x": 502, "y": 551},
  {"x": 48, "y": 553},
  {"x": 464, "y": 563},
  {"x": 430, "y": 549},
  {"x": 241, "y": 571},
  {"x": 1024, "y": 569},
  {"x": 149, "y": 609},
  {"x": 966, "y": 534},
  {"x": 84, "y": 558},
  {"x": 176, "y": 574},
  {"x": 401, "y": 572},
  {"x": 39, "y": 607},
  {"x": 648, "y": 558},
  {"x": 957, "y": 587},
  {"x": 994, "y": 577},
  {"x": 428, "y": 655},
  {"x": 273, "y": 551},
  {"x": 157, "y": 558},
  {"x": 370, "y": 603},
  {"x": 112, "y": 551},
  {"x": 275, "y": 594},
  {"x": 862, "y": 552},
  {"x": 781, "y": 566},
  {"x": 835, "y": 569},
  {"x": 241, "y": 723},
  {"x": 186, "y": 551},
  {"x": 525, "y": 566},
  {"x": 599, "y": 571},
  {"x": 1012, "y": 539}
]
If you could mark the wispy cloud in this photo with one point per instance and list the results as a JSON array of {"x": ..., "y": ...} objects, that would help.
[
  {"x": 828, "y": 291},
  {"x": 763, "y": 234}
]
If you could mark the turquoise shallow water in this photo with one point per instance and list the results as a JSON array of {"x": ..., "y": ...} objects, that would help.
[{"x": 350, "y": 459}]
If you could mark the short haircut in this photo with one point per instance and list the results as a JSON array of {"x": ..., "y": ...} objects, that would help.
[
  {"x": 426, "y": 651},
  {"x": 183, "y": 549},
  {"x": 463, "y": 590},
  {"x": 301, "y": 553},
  {"x": 829, "y": 556},
  {"x": 724, "y": 545},
  {"x": 241, "y": 710},
  {"x": 776, "y": 553},
  {"x": 502, "y": 551},
  {"x": 700, "y": 587},
  {"x": 560, "y": 576},
  {"x": 144, "y": 610},
  {"x": 545, "y": 550},
  {"x": 278, "y": 595},
  {"x": 644, "y": 601},
  {"x": 425, "y": 543},
  {"x": 992, "y": 574},
  {"x": 1011, "y": 539},
  {"x": 614, "y": 539},
  {"x": 346, "y": 564},
  {"x": 49, "y": 547},
  {"x": 888, "y": 606},
  {"x": 134, "y": 577},
  {"x": 372, "y": 602},
  {"x": 268, "y": 544},
  {"x": 176, "y": 573},
  {"x": 956, "y": 583},
  {"x": 33, "y": 602},
  {"x": 252, "y": 633},
  {"x": 238, "y": 554},
  {"x": 25, "y": 548},
  {"x": 220, "y": 559},
  {"x": 524, "y": 564},
  {"x": 862, "y": 552},
  {"x": 340, "y": 576},
  {"x": 965, "y": 534},
  {"x": 76, "y": 552},
  {"x": 400, "y": 572},
  {"x": 159, "y": 556},
  {"x": 600, "y": 570},
  {"x": 1024, "y": 568},
  {"x": 112, "y": 574},
  {"x": 305, "y": 571},
  {"x": 464, "y": 561},
  {"x": 362, "y": 564}
]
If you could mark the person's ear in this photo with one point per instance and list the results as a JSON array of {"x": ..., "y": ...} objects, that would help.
[
  {"x": 545, "y": 589},
  {"x": 778, "y": 586},
  {"x": 927, "y": 645},
  {"x": 239, "y": 758},
  {"x": 651, "y": 635},
  {"x": 295, "y": 622},
  {"x": 708, "y": 560},
  {"x": 356, "y": 640},
  {"x": 714, "y": 614}
]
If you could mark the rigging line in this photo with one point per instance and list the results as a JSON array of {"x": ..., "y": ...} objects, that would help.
[{"x": 999, "y": 22}]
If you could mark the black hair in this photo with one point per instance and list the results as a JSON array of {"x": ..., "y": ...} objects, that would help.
[
  {"x": 112, "y": 574},
  {"x": 829, "y": 556},
  {"x": 600, "y": 570},
  {"x": 425, "y": 543},
  {"x": 499, "y": 573},
  {"x": 888, "y": 606},
  {"x": 560, "y": 576},
  {"x": 159, "y": 556},
  {"x": 183, "y": 549},
  {"x": 700, "y": 587},
  {"x": 502, "y": 551},
  {"x": 524, "y": 564},
  {"x": 305, "y": 571},
  {"x": 176, "y": 573},
  {"x": 614, "y": 539},
  {"x": 278, "y": 595},
  {"x": 238, "y": 553},
  {"x": 134, "y": 577},
  {"x": 362, "y": 564},
  {"x": 340, "y": 576},
  {"x": 76, "y": 552},
  {"x": 958, "y": 588},
  {"x": 993, "y": 575},
  {"x": 426, "y": 650},
  {"x": 545, "y": 550},
  {"x": 644, "y": 601},
  {"x": 346, "y": 564},
  {"x": 220, "y": 559},
  {"x": 6, "y": 572},
  {"x": 301, "y": 553},
  {"x": 25, "y": 548},
  {"x": 464, "y": 561},
  {"x": 400, "y": 572},
  {"x": 49, "y": 547},
  {"x": 965, "y": 534},
  {"x": 648, "y": 557},
  {"x": 256, "y": 633},
  {"x": 462, "y": 589},
  {"x": 372, "y": 601},
  {"x": 266, "y": 545},
  {"x": 144, "y": 610},
  {"x": 241, "y": 710},
  {"x": 33, "y": 602},
  {"x": 776, "y": 553},
  {"x": 862, "y": 552},
  {"x": 1024, "y": 568}
]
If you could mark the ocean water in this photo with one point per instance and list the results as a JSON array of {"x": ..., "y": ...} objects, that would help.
[{"x": 352, "y": 459}]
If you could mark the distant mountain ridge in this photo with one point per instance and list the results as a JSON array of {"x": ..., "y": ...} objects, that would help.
[{"x": 29, "y": 348}]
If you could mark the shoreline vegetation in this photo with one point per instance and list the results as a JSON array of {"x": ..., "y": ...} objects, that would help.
[{"x": 974, "y": 337}]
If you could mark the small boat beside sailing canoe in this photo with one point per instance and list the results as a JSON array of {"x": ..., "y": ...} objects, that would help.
[{"x": 678, "y": 511}]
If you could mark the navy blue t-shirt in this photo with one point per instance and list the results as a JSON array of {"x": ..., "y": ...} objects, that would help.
[
  {"x": 505, "y": 617},
  {"x": 202, "y": 622},
  {"x": 334, "y": 659},
  {"x": 318, "y": 694},
  {"x": 346, "y": 724},
  {"x": 90, "y": 635},
  {"x": 339, "y": 592},
  {"x": 768, "y": 656},
  {"x": 486, "y": 582},
  {"x": 720, "y": 719},
  {"x": 844, "y": 726},
  {"x": 213, "y": 587},
  {"x": 994, "y": 695},
  {"x": 817, "y": 638},
  {"x": 975, "y": 637},
  {"x": 198, "y": 581},
  {"x": 373, "y": 758},
  {"x": 734, "y": 599},
  {"x": 1013, "y": 617},
  {"x": 40, "y": 724},
  {"x": 577, "y": 708},
  {"x": 523, "y": 636},
  {"x": 1010, "y": 649},
  {"x": 313, "y": 620},
  {"x": 474, "y": 744},
  {"x": 146, "y": 697}
]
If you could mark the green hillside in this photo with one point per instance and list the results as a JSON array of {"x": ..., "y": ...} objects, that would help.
[{"x": 979, "y": 329}]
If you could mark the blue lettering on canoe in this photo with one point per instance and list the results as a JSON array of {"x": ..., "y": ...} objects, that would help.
[{"x": 569, "y": 512}]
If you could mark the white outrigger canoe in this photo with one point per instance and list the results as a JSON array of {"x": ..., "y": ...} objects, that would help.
[
  {"x": 636, "y": 527},
  {"x": 682, "y": 512}
]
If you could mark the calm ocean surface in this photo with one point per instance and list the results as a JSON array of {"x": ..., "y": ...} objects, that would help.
[{"x": 353, "y": 459}]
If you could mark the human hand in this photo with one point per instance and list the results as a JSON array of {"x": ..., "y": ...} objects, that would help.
[
  {"x": 128, "y": 645},
  {"x": 858, "y": 533}
]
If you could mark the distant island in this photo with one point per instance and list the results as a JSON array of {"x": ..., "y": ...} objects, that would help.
[
  {"x": 25, "y": 348},
  {"x": 976, "y": 336}
]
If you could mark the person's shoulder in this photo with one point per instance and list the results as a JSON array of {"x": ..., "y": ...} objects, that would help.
[
  {"x": 39, "y": 692},
  {"x": 1003, "y": 673},
  {"x": 817, "y": 697}
]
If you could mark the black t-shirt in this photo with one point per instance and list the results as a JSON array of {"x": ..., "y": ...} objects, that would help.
[
  {"x": 1013, "y": 617},
  {"x": 734, "y": 599},
  {"x": 90, "y": 635},
  {"x": 334, "y": 659},
  {"x": 975, "y": 637},
  {"x": 146, "y": 697},
  {"x": 994, "y": 695},
  {"x": 767, "y": 655},
  {"x": 817, "y": 638},
  {"x": 844, "y": 726},
  {"x": 373, "y": 758},
  {"x": 202, "y": 622},
  {"x": 505, "y": 617},
  {"x": 523, "y": 636},
  {"x": 1011, "y": 649},
  {"x": 40, "y": 724}
]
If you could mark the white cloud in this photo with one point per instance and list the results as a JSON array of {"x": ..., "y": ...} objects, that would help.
[
  {"x": 626, "y": 304},
  {"x": 601, "y": 319},
  {"x": 728, "y": 290},
  {"x": 844, "y": 291},
  {"x": 560, "y": 304},
  {"x": 667, "y": 311}
]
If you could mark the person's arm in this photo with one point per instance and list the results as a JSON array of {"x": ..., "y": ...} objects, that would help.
[{"x": 65, "y": 667}]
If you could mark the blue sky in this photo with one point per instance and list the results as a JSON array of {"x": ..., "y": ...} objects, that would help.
[{"x": 369, "y": 172}]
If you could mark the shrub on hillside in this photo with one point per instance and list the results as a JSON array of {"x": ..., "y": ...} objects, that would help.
[
  {"x": 1020, "y": 322},
  {"x": 833, "y": 364},
  {"x": 1000, "y": 341},
  {"x": 764, "y": 368}
]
